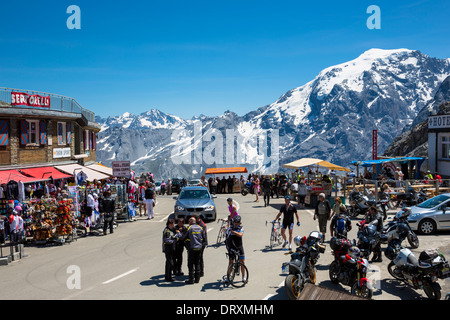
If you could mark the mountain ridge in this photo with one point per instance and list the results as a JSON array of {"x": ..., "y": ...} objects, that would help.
[{"x": 330, "y": 117}]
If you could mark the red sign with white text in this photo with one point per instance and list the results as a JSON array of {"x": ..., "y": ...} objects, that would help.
[
  {"x": 375, "y": 145},
  {"x": 24, "y": 99}
]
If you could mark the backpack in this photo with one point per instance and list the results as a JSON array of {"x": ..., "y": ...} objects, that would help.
[
  {"x": 428, "y": 255},
  {"x": 149, "y": 194},
  {"x": 339, "y": 244},
  {"x": 341, "y": 224}
]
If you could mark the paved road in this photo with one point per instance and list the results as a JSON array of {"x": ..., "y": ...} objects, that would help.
[{"x": 129, "y": 264}]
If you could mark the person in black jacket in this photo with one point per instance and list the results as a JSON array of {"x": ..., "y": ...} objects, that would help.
[
  {"x": 375, "y": 218},
  {"x": 107, "y": 207},
  {"x": 267, "y": 189},
  {"x": 179, "y": 247},
  {"x": 204, "y": 244},
  {"x": 169, "y": 242}
]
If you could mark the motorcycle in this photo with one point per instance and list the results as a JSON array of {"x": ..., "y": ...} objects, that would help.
[
  {"x": 248, "y": 188},
  {"x": 302, "y": 268},
  {"x": 368, "y": 238},
  {"x": 350, "y": 268},
  {"x": 360, "y": 204},
  {"x": 411, "y": 198},
  {"x": 398, "y": 224},
  {"x": 419, "y": 274}
]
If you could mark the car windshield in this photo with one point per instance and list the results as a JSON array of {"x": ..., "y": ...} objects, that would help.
[
  {"x": 194, "y": 194},
  {"x": 433, "y": 202},
  {"x": 194, "y": 181},
  {"x": 157, "y": 183}
]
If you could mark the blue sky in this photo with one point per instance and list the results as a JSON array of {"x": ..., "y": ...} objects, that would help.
[{"x": 191, "y": 57}]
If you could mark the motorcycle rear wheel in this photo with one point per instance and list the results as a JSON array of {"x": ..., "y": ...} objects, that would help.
[
  {"x": 432, "y": 290},
  {"x": 291, "y": 287}
]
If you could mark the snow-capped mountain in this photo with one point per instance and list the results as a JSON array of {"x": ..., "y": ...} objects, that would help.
[
  {"x": 152, "y": 119},
  {"x": 330, "y": 117}
]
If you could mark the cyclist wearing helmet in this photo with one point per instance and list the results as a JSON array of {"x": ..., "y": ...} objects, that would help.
[
  {"x": 288, "y": 210},
  {"x": 234, "y": 242}
]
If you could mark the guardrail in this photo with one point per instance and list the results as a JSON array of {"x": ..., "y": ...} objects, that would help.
[{"x": 57, "y": 102}]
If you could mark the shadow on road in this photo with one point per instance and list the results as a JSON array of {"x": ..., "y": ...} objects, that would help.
[{"x": 160, "y": 281}]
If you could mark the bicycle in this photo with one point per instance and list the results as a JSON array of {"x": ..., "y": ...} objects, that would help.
[
  {"x": 235, "y": 269},
  {"x": 222, "y": 231},
  {"x": 275, "y": 234}
]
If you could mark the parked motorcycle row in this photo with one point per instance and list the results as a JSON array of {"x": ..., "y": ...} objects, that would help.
[
  {"x": 361, "y": 202},
  {"x": 351, "y": 266}
]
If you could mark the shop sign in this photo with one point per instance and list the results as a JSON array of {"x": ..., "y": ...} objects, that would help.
[
  {"x": 24, "y": 99},
  {"x": 61, "y": 153},
  {"x": 121, "y": 169}
]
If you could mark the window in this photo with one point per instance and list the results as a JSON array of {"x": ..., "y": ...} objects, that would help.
[
  {"x": 62, "y": 133},
  {"x": 33, "y": 131},
  {"x": 444, "y": 146}
]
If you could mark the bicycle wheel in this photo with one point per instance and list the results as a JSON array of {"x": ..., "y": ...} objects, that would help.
[
  {"x": 273, "y": 239},
  {"x": 279, "y": 237},
  {"x": 221, "y": 236},
  {"x": 235, "y": 276}
]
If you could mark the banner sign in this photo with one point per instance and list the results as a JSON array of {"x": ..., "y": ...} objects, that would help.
[
  {"x": 121, "y": 169},
  {"x": 61, "y": 153},
  {"x": 375, "y": 145},
  {"x": 24, "y": 99},
  {"x": 439, "y": 122}
]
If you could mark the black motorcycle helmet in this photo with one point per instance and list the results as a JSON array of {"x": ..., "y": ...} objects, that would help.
[
  {"x": 390, "y": 253},
  {"x": 402, "y": 230}
]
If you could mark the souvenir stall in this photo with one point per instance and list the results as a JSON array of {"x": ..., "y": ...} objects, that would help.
[
  {"x": 52, "y": 220},
  {"x": 120, "y": 196},
  {"x": 316, "y": 183}
]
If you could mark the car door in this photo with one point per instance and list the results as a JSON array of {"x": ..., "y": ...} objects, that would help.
[{"x": 443, "y": 216}]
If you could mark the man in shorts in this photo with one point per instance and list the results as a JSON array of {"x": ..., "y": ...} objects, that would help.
[
  {"x": 288, "y": 210},
  {"x": 234, "y": 242}
]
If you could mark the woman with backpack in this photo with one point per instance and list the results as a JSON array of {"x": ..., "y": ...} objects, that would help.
[{"x": 340, "y": 224}]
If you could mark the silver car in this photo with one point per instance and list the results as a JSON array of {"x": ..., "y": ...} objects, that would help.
[
  {"x": 195, "y": 201},
  {"x": 431, "y": 215}
]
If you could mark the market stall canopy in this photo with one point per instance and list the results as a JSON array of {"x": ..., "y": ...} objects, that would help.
[
  {"x": 370, "y": 163},
  {"x": 8, "y": 175},
  {"x": 73, "y": 169},
  {"x": 226, "y": 170},
  {"x": 101, "y": 168},
  {"x": 45, "y": 173},
  {"x": 306, "y": 162},
  {"x": 378, "y": 163}
]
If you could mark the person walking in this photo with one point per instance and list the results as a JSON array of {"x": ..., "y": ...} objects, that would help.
[
  {"x": 179, "y": 246},
  {"x": 169, "y": 242},
  {"x": 267, "y": 189},
  {"x": 340, "y": 223},
  {"x": 141, "y": 199},
  {"x": 193, "y": 235},
  {"x": 301, "y": 194},
  {"x": 322, "y": 212},
  {"x": 234, "y": 243},
  {"x": 149, "y": 200},
  {"x": 374, "y": 217},
  {"x": 107, "y": 207},
  {"x": 256, "y": 187},
  {"x": 200, "y": 222},
  {"x": 288, "y": 211},
  {"x": 337, "y": 204}
]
